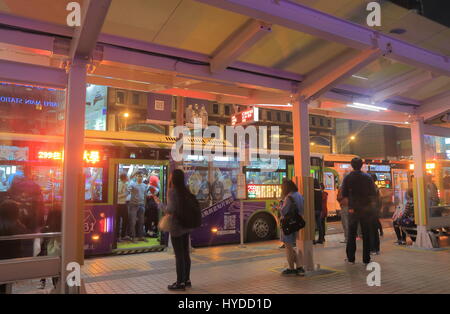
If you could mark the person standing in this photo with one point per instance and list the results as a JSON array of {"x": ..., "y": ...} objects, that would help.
[
  {"x": 318, "y": 197},
  {"x": 178, "y": 193},
  {"x": 375, "y": 224},
  {"x": 136, "y": 209},
  {"x": 324, "y": 214},
  {"x": 359, "y": 188},
  {"x": 343, "y": 203},
  {"x": 290, "y": 195},
  {"x": 123, "y": 197},
  {"x": 152, "y": 207}
]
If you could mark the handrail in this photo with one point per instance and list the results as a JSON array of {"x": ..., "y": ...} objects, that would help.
[{"x": 31, "y": 236}]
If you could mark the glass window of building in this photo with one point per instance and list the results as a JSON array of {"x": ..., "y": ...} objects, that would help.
[
  {"x": 136, "y": 99},
  {"x": 288, "y": 117},
  {"x": 215, "y": 108},
  {"x": 269, "y": 115},
  {"x": 329, "y": 123},
  {"x": 321, "y": 122},
  {"x": 278, "y": 116},
  {"x": 313, "y": 120},
  {"x": 227, "y": 110},
  {"x": 148, "y": 116},
  {"x": 120, "y": 97}
]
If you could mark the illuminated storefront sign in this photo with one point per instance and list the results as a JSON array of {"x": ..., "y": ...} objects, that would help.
[
  {"x": 92, "y": 157},
  {"x": 245, "y": 117},
  {"x": 429, "y": 166},
  {"x": 264, "y": 191}
]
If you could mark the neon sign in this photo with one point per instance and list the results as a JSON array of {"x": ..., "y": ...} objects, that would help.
[
  {"x": 91, "y": 157},
  {"x": 245, "y": 117}
]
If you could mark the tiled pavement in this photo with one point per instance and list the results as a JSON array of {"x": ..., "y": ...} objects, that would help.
[{"x": 255, "y": 269}]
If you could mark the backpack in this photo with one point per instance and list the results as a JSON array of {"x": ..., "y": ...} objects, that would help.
[
  {"x": 189, "y": 215},
  {"x": 292, "y": 221}
]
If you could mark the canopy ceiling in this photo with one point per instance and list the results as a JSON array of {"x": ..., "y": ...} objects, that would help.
[{"x": 193, "y": 28}]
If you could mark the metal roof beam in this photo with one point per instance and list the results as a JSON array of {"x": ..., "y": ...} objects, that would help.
[
  {"x": 435, "y": 106},
  {"x": 334, "y": 72},
  {"x": 144, "y": 60},
  {"x": 85, "y": 37},
  {"x": 307, "y": 20},
  {"x": 239, "y": 42},
  {"x": 436, "y": 130},
  {"x": 24, "y": 73},
  {"x": 401, "y": 84}
]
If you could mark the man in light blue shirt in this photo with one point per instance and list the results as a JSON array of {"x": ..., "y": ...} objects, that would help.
[{"x": 136, "y": 209}]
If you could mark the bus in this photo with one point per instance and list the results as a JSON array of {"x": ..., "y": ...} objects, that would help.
[{"x": 108, "y": 154}]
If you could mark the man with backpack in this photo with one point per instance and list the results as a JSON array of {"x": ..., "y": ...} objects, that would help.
[{"x": 358, "y": 187}]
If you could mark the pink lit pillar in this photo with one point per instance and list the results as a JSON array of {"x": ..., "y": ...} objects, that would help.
[
  {"x": 419, "y": 183},
  {"x": 73, "y": 203},
  {"x": 303, "y": 179}
]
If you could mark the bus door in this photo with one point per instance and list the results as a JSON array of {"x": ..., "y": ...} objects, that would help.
[
  {"x": 155, "y": 177},
  {"x": 329, "y": 181}
]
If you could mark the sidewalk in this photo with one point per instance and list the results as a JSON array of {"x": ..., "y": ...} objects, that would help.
[{"x": 256, "y": 270}]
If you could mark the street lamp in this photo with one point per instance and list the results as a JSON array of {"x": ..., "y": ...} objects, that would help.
[{"x": 126, "y": 115}]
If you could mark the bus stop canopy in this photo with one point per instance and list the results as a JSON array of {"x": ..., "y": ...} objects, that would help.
[{"x": 251, "y": 52}]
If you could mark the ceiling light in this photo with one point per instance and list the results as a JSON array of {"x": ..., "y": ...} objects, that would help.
[
  {"x": 273, "y": 105},
  {"x": 359, "y": 105},
  {"x": 360, "y": 77}
]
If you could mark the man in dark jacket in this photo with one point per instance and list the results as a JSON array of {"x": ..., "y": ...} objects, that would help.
[{"x": 359, "y": 188}]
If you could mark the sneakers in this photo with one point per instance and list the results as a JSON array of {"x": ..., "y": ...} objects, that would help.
[
  {"x": 290, "y": 272},
  {"x": 177, "y": 286},
  {"x": 349, "y": 262},
  {"x": 41, "y": 285},
  {"x": 282, "y": 246},
  {"x": 301, "y": 271},
  {"x": 188, "y": 284}
]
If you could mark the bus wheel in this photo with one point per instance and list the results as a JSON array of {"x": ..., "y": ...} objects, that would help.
[{"x": 261, "y": 228}]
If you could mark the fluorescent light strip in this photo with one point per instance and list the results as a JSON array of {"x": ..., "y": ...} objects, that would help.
[
  {"x": 360, "y": 77},
  {"x": 271, "y": 105},
  {"x": 367, "y": 107}
]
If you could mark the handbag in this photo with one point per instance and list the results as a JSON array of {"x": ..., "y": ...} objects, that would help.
[
  {"x": 292, "y": 221},
  {"x": 165, "y": 223}
]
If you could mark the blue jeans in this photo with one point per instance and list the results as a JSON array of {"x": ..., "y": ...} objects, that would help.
[{"x": 136, "y": 220}]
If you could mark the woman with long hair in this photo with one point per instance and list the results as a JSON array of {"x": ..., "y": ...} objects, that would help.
[
  {"x": 292, "y": 198},
  {"x": 178, "y": 193}
]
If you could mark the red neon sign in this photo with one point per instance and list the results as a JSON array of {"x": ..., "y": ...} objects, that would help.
[{"x": 91, "y": 157}]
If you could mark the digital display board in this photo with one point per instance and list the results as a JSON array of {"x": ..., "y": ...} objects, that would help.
[
  {"x": 263, "y": 191},
  {"x": 380, "y": 168},
  {"x": 245, "y": 117},
  {"x": 92, "y": 157}
]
